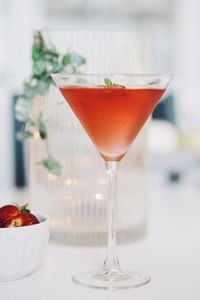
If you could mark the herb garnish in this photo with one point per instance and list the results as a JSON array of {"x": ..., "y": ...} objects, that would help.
[{"x": 108, "y": 83}]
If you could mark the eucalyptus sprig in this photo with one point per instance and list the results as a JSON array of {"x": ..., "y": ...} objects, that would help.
[{"x": 45, "y": 61}]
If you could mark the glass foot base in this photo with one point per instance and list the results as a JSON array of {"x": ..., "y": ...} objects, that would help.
[{"x": 111, "y": 279}]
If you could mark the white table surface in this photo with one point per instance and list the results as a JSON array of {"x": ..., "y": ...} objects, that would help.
[{"x": 170, "y": 253}]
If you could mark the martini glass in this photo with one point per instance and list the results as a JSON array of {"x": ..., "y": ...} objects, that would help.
[{"x": 112, "y": 108}]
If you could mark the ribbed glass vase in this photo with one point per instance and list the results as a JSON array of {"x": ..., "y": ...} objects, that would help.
[{"x": 77, "y": 200}]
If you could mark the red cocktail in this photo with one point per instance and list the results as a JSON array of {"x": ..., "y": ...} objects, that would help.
[
  {"x": 113, "y": 116},
  {"x": 112, "y": 111}
]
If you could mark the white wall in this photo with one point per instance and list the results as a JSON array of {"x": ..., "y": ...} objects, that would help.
[
  {"x": 187, "y": 62},
  {"x": 17, "y": 21}
]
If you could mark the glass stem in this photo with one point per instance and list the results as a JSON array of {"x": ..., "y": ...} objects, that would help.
[{"x": 111, "y": 263}]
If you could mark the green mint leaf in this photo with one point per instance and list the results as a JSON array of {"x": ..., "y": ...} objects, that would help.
[
  {"x": 23, "y": 135},
  {"x": 108, "y": 82},
  {"x": 52, "y": 165}
]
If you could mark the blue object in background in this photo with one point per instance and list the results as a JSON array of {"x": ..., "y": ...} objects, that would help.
[
  {"x": 19, "y": 152},
  {"x": 165, "y": 110}
]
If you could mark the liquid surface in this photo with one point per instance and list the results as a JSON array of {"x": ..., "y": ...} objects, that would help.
[{"x": 112, "y": 117}]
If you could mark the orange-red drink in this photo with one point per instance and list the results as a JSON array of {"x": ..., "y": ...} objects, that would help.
[{"x": 112, "y": 117}]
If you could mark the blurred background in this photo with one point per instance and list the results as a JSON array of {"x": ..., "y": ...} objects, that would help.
[{"x": 173, "y": 29}]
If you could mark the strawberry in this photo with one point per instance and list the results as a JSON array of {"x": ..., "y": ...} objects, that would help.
[
  {"x": 14, "y": 216},
  {"x": 31, "y": 219},
  {"x": 7, "y": 212},
  {"x": 23, "y": 219},
  {"x": 17, "y": 221}
]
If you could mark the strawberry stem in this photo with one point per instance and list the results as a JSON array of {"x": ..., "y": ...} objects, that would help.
[{"x": 23, "y": 209}]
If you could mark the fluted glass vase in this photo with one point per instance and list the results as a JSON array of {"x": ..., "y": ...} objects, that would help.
[{"x": 76, "y": 200}]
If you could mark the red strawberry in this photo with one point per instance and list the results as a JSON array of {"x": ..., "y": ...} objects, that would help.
[
  {"x": 7, "y": 212},
  {"x": 23, "y": 219},
  {"x": 31, "y": 219},
  {"x": 13, "y": 216},
  {"x": 17, "y": 221}
]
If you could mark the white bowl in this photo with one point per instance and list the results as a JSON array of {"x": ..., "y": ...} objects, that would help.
[{"x": 22, "y": 249}]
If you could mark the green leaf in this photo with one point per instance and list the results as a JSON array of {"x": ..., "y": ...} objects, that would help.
[
  {"x": 66, "y": 59},
  {"x": 36, "y": 53},
  {"x": 23, "y": 135},
  {"x": 108, "y": 82},
  {"x": 52, "y": 165},
  {"x": 39, "y": 67},
  {"x": 23, "y": 209},
  {"x": 38, "y": 40}
]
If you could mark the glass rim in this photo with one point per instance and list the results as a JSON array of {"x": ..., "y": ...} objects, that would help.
[
  {"x": 160, "y": 75},
  {"x": 155, "y": 80}
]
